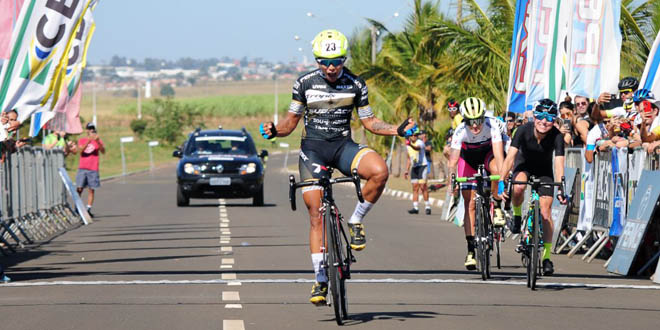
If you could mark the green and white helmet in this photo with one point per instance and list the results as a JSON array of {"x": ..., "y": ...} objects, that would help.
[{"x": 330, "y": 44}]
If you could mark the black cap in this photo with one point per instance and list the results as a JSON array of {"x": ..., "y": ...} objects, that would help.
[{"x": 90, "y": 126}]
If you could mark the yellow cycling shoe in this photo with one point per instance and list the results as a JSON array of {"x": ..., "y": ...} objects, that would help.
[{"x": 319, "y": 291}]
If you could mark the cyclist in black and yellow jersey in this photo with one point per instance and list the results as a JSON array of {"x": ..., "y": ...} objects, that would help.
[{"x": 326, "y": 99}]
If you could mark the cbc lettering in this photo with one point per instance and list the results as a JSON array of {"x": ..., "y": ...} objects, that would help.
[
  {"x": 61, "y": 8},
  {"x": 591, "y": 14}
]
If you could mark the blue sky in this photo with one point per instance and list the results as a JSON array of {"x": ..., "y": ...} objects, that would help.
[{"x": 172, "y": 29}]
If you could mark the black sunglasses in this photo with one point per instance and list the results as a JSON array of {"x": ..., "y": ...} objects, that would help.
[
  {"x": 331, "y": 61},
  {"x": 475, "y": 121}
]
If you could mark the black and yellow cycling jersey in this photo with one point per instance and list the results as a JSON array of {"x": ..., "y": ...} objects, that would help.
[{"x": 328, "y": 106}]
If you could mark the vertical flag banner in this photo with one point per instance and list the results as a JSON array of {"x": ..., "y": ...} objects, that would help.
[
  {"x": 73, "y": 125},
  {"x": 541, "y": 46},
  {"x": 594, "y": 47},
  {"x": 77, "y": 60},
  {"x": 39, "y": 42},
  {"x": 651, "y": 77},
  {"x": 9, "y": 10},
  {"x": 38, "y": 120},
  {"x": 516, "y": 94}
]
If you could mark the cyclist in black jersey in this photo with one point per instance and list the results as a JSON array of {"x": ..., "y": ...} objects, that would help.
[
  {"x": 326, "y": 98},
  {"x": 531, "y": 153}
]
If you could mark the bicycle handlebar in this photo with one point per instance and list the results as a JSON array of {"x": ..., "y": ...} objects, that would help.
[
  {"x": 324, "y": 183},
  {"x": 478, "y": 177},
  {"x": 535, "y": 182}
]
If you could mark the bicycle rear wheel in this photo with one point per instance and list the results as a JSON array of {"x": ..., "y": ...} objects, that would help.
[
  {"x": 497, "y": 237},
  {"x": 535, "y": 246},
  {"x": 334, "y": 266}
]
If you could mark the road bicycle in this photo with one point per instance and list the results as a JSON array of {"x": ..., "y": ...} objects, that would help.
[
  {"x": 531, "y": 240},
  {"x": 337, "y": 253},
  {"x": 484, "y": 230}
]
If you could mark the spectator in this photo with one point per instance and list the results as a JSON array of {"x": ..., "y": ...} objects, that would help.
[
  {"x": 418, "y": 174},
  {"x": 57, "y": 140},
  {"x": 511, "y": 119},
  {"x": 88, "y": 169},
  {"x": 583, "y": 123},
  {"x": 567, "y": 123},
  {"x": 598, "y": 138},
  {"x": 9, "y": 126},
  {"x": 456, "y": 117},
  {"x": 650, "y": 125}
]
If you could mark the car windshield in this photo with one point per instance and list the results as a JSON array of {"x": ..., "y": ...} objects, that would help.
[{"x": 223, "y": 145}]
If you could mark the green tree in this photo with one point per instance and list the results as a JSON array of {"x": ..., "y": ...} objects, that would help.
[
  {"x": 170, "y": 120},
  {"x": 167, "y": 90}
]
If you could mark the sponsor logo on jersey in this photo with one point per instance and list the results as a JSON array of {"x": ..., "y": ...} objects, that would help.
[{"x": 344, "y": 87}]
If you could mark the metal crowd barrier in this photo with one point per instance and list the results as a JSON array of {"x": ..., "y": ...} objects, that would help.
[
  {"x": 595, "y": 233},
  {"x": 33, "y": 202}
]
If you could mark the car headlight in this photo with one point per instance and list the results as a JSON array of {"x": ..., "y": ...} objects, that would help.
[
  {"x": 189, "y": 168},
  {"x": 248, "y": 168}
]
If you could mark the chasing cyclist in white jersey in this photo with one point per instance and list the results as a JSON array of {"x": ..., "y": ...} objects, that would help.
[{"x": 478, "y": 140}]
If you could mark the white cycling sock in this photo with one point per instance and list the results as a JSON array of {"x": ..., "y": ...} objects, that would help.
[
  {"x": 361, "y": 209},
  {"x": 427, "y": 205},
  {"x": 416, "y": 205},
  {"x": 317, "y": 259}
]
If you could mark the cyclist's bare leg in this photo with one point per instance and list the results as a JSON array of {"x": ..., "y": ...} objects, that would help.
[
  {"x": 415, "y": 192},
  {"x": 519, "y": 189},
  {"x": 372, "y": 168},
  {"x": 312, "y": 200},
  {"x": 470, "y": 207},
  {"x": 493, "y": 168},
  {"x": 425, "y": 191},
  {"x": 545, "y": 203}
]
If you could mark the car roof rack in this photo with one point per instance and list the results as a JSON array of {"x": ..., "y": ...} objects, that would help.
[{"x": 245, "y": 132}]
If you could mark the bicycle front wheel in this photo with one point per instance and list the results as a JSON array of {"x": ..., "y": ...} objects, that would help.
[
  {"x": 535, "y": 246},
  {"x": 482, "y": 253},
  {"x": 334, "y": 265}
]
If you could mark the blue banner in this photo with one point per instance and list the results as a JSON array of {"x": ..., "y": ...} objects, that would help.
[
  {"x": 516, "y": 93},
  {"x": 618, "y": 210},
  {"x": 651, "y": 78}
]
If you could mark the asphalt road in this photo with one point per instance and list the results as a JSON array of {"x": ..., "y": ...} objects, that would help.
[{"x": 147, "y": 264}]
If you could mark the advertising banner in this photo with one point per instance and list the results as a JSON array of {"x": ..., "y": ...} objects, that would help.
[
  {"x": 41, "y": 38},
  {"x": 594, "y": 47},
  {"x": 516, "y": 93}
]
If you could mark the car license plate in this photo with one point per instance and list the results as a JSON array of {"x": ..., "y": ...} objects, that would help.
[{"x": 220, "y": 181}]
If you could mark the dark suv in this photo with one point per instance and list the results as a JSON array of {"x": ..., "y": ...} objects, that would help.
[{"x": 220, "y": 164}]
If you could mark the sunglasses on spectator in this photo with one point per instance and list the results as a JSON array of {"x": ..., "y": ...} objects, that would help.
[
  {"x": 453, "y": 109},
  {"x": 474, "y": 122},
  {"x": 621, "y": 91},
  {"x": 581, "y": 103},
  {"x": 331, "y": 61},
  {"x": 544, "y": 115}
]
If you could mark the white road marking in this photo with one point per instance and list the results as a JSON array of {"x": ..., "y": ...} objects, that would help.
[
  {"x": 230, "y": 296},
  {"x": 234, "y": 283},
  {"x": 224, "y": 237},
  {"x": 363, "y": 281},
  {"x": 225, "y": 232},
  {"x": 226, "y": 249},
  {"x": 226, "y": 266},
  {"x": 229, "y": 276},
  {"x": 224, "y": 225},
  {"x": 233, "y": 325},
  {"x": 227, "y": 261},
  {"x": 224, "y": 242},
  {"x": 237, "y": 306}
]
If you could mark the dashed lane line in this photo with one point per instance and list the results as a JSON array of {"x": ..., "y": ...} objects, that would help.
[
  {"x": 233, "y": 325},
  {"x": 230, "y": 296},
  {"x": 361, "y": 281}
]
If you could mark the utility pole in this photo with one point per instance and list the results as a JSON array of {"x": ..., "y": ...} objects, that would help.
[
  {"x": 373, "y": 44},
  {"x": 139, "y": 102},
  {"x": 94, "y": 102},
  {"x": 276, "y": 101}
]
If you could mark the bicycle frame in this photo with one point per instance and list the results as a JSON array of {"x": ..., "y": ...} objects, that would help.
[
  {"x": 335, "y": 261},
  {"x": 483, "y": 226},
  {"x": 531, "y": 250}
]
